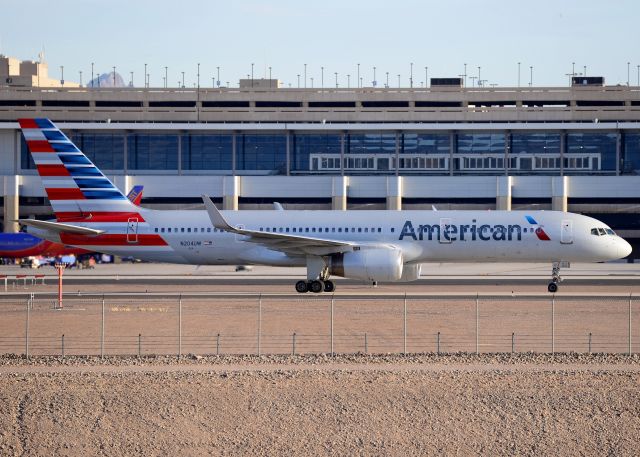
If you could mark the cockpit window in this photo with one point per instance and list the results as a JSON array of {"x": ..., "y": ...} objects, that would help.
[
  {"x": 594, "y": 231},
  {"x": 602, "y": 232},
  {"x": 610, "y": 232}
]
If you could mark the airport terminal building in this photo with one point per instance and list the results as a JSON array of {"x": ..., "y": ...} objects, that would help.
[{"x": 574, "y": 148}]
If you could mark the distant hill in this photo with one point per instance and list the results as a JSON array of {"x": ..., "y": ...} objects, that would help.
[{"x": 107, "y": 80}]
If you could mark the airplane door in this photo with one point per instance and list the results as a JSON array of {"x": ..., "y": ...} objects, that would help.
[
  {"x": 445, "y": 223},
  {"x": 132, "y": 230},
  {"x": 566, "y": 232}
]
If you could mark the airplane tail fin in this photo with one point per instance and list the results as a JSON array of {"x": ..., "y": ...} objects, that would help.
[{"x": 75, "y": 186}]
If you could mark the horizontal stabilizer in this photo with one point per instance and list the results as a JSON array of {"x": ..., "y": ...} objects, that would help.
[{"x": 57, "y": 227}]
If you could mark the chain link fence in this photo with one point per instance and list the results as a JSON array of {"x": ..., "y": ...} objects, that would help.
[{"x": 147, "y": 324}]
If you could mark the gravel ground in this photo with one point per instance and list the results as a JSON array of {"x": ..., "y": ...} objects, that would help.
[{"x": 456, "y": 404}]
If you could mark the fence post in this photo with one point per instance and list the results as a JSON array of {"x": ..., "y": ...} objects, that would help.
[
  {"x": 589, "y": 342},
  {"x": 180, "y": 326},
  {"x": 513, "y": 342},
  {"x": 102, "y": 330},
  {"x": 139, "y": 345},
  {"x": 332, "y": 301},
  {"x": 26, "y": 333},
  {"x": 553, "y": 324},
  {"x": 366, "y": 345},
  {"x": 629, "y": 345},
  {"x": 477, "y": 320},
  {"x": 62, "y": 345},
  {"x": 438, "y": 343},
  {"x": 293, "y": 346},
  {"x": 259, "y": 321},
  {"x": 404, "y": 327},
  {"x": 218, "y": 344}
]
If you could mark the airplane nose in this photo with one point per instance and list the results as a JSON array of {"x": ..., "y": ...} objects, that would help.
[{"x": 624, "y": 248}]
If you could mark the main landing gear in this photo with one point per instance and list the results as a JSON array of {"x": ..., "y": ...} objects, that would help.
[
  {"x": 316, "y": 286},
  {"x": 555, "y": 278}
]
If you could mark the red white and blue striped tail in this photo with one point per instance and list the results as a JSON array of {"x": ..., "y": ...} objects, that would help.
[{"x": 74, "y": 185}]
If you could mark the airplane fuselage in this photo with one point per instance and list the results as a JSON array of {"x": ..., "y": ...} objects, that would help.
[{"x": 424, "y": 236}]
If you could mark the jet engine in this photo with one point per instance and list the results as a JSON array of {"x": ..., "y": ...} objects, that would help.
[
  {"x": 410, "y": 273},
  {"x": 368, "y": 264}
]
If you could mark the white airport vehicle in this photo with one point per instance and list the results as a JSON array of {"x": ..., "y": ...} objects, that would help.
[{"x": 373, "y": 246}]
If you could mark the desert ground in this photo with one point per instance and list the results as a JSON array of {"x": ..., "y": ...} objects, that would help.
[{"x": 318, "y": 405}]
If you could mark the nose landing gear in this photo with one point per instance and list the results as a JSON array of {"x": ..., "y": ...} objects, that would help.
[{"x": 555, "y": 278}]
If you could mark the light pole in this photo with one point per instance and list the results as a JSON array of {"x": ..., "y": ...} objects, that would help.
[
  {"x": 387, "y": 83},
  {"x": 638, "y": 75},
  {"x": 473, "y": 80},
  {"x": 198, "y": 80},
  {"x": 218, "y": 75},
  {"x": 585, "y": 71},
  {"x": 305, "y": 75},
  {"x": 374, "y": 77},
  {"x": 358, "y": 81},
  {"x": 348, "y": 81},
  {"x": 298, "y": 81},
  {"x": 213, "y": 82},
  {"x": 336, "y": 73},
  {"x": 321, "y": 76},
  {"x": 269, "y": 77},
  {"x": 465, "y": 75},
  {"x": 114, "y": 76},
  {"x": 80, "y": 78},
  {"x": 426, "y": 76},
  {"x": 131, "y": 81},
  {"x": 398, "y": 80},
  {"x": 166, "y": 76},
  {"x": 91, "y": 74},
  {"x": 628, "y": 72},
  {"x": 311, "y": 78},
  {"x": 146, "y": 82},
  {"x": 518, "y": 74},
  {"x": 531, "y": 76},
  {"x": 479, "y": 78},
  {"x": 183, "y": 79},
  {"x": 251, "y": 74},
  {"x": 411, "y": 75},
  {"x": 62, "y": 75},
  {"x": 573, "y": 73}
]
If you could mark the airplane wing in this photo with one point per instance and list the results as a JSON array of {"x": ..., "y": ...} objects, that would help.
[
  {"x": 57, "y": 227},
  {"x": 284, "y": 242}
]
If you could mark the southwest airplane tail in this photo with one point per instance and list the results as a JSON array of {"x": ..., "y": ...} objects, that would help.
[{"x": 93, "y": 214}]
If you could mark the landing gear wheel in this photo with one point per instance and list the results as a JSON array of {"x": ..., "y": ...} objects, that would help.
[
  {"x": 316, "y": 286},
  {"x": 552, "y": 287},
  {"x": 302, "y": 287},
  {"x": 329, "y": 286}
]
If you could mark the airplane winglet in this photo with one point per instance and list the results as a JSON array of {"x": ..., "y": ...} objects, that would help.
[{"x": 217, "y": 219}]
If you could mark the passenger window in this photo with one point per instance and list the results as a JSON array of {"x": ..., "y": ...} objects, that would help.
[
  {"x": 326, "y": 230},
  {"x": 353, "y": 229},
  {"x": 182, "y": 229},
  {"x": 169, "y": 230},
  {"x": 379, "y": 230},
  {"x": 189, "y": 229},
  {"x": 208, "y": 229},
  {"x": 306, "y": 229},
  {"x": 393, "y": 229},
  {"x": 333, "y": 230},
  {"x": 156, "y": 230},
  {"x": 602, "y": 232},
  {"x": 594, "y": 231},
  {"x": 313, "y": 229},
  {"x": 294, "y": 230},
  {"x": 280, "y": 229},
  {"x": 359, "y": 229},
  {"x": 340, "y": 229},
  {"x": 366, "y": 230},
  {"x": 287, "y": 230}
]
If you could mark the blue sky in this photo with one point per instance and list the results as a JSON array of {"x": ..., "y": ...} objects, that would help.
[{"x": 285, "y": 34}]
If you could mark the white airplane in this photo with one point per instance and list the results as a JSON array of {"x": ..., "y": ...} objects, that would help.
[{"x": 93, "y": 214}]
